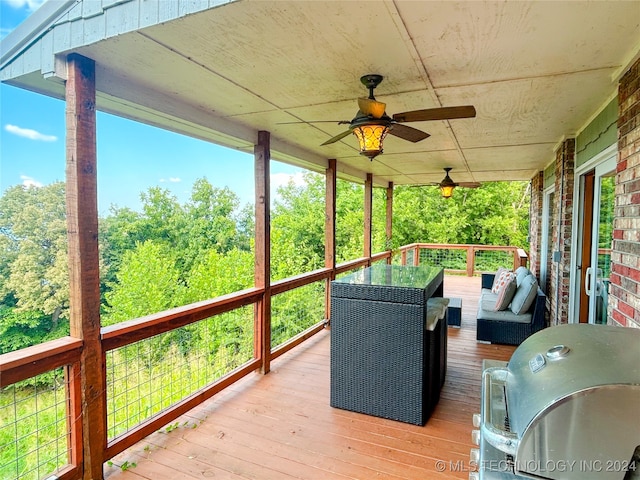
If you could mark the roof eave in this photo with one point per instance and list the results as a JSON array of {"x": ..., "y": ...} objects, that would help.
[{"x": 29, "y": 31}]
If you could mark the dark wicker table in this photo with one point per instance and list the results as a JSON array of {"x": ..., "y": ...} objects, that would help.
[{"x": 384, "y": 361}]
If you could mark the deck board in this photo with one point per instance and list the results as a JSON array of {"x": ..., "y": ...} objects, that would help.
[{"x": 280, "y": 425}]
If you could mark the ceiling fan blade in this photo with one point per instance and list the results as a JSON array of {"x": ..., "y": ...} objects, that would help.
[
  {"x": 408, "y": 133},
  {"x": 371, "y": 107},
  {"x": 337, "y": 137},
  {"x": 469, "y": 184},
  {"x": 339, "y": 122},
  {"x": 443, "y": 113}
]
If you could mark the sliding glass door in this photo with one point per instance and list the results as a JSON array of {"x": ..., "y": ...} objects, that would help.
[{"x": 596, "y": 235}]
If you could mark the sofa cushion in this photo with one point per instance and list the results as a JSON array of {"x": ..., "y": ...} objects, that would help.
[
  {"x": 506, "y": 292},
  {"x": 488, "y": 313},
  {"x": 521, "y": 272},
  {"x": 525, "y": 295},
  {"x": 436, "y": 310},
  {"x": 498, "y": 278}
]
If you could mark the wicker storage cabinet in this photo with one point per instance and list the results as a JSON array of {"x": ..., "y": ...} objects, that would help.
[{"x": 384, "y": 362}]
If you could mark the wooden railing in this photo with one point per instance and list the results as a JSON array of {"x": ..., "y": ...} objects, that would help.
[
  {"x": 463, "y": 258},
  {"x": 65, "y": 352}
]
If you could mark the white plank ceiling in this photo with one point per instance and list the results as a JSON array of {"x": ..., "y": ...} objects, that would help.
[{"x": 536, "y": 72}]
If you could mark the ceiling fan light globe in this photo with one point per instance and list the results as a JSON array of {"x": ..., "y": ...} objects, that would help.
[
  {"x": 447, "y": 190},
  {"x": 370, "y": 139}
]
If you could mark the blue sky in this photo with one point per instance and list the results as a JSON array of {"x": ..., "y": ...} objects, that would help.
[{"x": 131, "y": 156}]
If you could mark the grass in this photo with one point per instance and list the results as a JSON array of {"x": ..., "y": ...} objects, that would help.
[{"x": 33, "y": 431}]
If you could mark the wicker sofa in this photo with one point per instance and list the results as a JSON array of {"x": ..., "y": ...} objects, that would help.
[{"x": 505, "y": 326}]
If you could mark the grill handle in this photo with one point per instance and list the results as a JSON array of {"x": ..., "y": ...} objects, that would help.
[{"x": 501, "y": 439}]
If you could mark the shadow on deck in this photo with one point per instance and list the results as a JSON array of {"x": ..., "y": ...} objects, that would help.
[{"x": 280, "y": 425}]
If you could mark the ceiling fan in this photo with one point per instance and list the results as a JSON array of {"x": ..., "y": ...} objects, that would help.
[
  {"x": 447, "y": 184},
  {"x": 371, "y": 123}
]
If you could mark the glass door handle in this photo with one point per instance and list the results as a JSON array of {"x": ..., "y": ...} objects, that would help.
[
  {"x": 587, "y": 281},
  {"x": 599, "y": 284}
]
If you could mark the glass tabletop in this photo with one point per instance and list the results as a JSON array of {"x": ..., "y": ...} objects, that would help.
[{"x": 393, "y": 276}]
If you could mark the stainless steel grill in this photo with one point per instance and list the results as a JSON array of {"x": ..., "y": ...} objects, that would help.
[{"x": 566, "y": 406}]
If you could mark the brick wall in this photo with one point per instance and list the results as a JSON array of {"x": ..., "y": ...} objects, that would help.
[
  {"x": 561, "y": 233},
  {"x": 624, "y": 298},
  {"x": 535, "y": 223}
]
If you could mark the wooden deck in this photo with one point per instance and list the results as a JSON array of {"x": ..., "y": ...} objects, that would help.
[{"x": 280, "y": 426}]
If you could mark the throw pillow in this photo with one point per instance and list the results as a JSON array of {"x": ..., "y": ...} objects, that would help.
[
  {"x": 525, "y": 295},
  {"x": 521, "y": 272},
  {"x": 506, "y": 292},
  {"x": 499, "y": 279}
]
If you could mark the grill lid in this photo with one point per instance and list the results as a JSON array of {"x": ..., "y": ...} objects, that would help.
[{"x": 561, "y": 361}]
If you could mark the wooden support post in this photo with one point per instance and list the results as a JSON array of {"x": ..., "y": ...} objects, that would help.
[
  {"x": 262, "y": 274},
  {"x": 330, "y": 231},
  {"x": 84, "y": 275},
  {"x": 389, "y": 224},
  {"x": 471, "y": 260},
  {"x": 368, "y": 216}
]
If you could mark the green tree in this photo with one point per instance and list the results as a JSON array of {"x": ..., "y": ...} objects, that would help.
[
  {"x": 211, "y": 222},
  {"x": 34, "y": 250},
  {"x": 23, "y": 328},
  {"x": 297, "y": 227},
  {"x": 147, "y": 282},
  {"x": 119, "y": 232},
  {"x": 217, "y": 274},
  {"x": 476, "y": 216}
]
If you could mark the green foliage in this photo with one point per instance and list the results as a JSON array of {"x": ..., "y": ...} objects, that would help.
[
  {"x": 472, "y": 216},
  {"x": 126, "y": 465},
  {"x": 19, "y": 328},
  {"x": 209, "y": 221},
  {"x": 216, "y": 274},
  {"x": 147, "y": 282},
  {"x": 349, "y": 221},
  {"x": 169, "y": 255},
  {"x": 34, "y": 250},
  {"x": 297, "y": 228},
  {"x": 295, "y": 311},
  {"x": 38, "y": 418},
  {"x": 118, "y": 232}
]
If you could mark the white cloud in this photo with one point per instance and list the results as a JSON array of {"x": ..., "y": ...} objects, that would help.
[
  {"x": 171, "y": 180},
  {"x": 31, "y": 5},
  {"x": 30, "y": 134},
  {"x": 30, "y": 182},
  {"x": 282, "y": 179}
]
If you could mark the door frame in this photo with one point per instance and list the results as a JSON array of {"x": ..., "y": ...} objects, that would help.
[
  {"x": 609, "y": 154},
  {"x": 547, "y": 229}
]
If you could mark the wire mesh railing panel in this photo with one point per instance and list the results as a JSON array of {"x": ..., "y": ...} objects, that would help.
[
  {"x": 396, "y": 259},
  {"x": 34, "y": 431},
  {"x": 149, "y": 376},
  {"x": 295, "y": 311},
  {"x": 410, "y": 256},
  {"x": 380, "y": 261},
  {"x": 491, "y": 260},
  {"x": 449, "y": 259}
]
